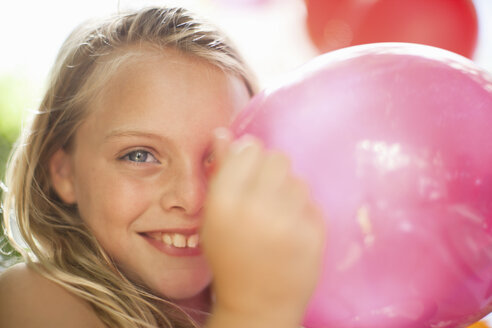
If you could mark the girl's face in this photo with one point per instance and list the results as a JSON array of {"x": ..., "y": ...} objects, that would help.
[{"x": 139, "y": 166}]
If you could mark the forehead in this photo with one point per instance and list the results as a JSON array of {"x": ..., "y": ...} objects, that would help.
[{"x": 166, "y": 92}]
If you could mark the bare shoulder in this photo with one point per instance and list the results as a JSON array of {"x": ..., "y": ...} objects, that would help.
[{"x": 28, "y": 299}]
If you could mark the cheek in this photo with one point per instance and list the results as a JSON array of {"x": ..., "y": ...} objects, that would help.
[{"x": 109, "y": 203}]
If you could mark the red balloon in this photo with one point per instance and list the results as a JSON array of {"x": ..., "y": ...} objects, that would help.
[
  {"x": 447, "y": 24},
  {"x": 395, "y": 141}
]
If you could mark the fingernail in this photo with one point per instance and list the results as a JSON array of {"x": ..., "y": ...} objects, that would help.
[
  {"x": 244, "y": 142},
  {"x": 222, "y": 133}
]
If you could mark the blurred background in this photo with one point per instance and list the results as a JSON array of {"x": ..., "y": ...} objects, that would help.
[{"x": 275, "y": 36}]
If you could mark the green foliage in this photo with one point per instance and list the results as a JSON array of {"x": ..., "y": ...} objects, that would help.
[{"x": 16, "y": 96}]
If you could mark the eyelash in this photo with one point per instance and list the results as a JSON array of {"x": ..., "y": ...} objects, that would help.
[
  {"x": 209, "y": 160},
  {"x": 146, "y": 153}
]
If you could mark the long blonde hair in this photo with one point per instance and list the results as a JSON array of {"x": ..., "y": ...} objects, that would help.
[{"x": 57, "y": 239}]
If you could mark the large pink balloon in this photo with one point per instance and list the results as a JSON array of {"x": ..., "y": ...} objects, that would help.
[{"x": 395, "y": 141}]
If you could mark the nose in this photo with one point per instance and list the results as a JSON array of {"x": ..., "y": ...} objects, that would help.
[{"x": 187, "y": 190}]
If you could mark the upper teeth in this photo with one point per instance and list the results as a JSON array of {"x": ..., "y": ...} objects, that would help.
[{"x": 180, "y": 241}]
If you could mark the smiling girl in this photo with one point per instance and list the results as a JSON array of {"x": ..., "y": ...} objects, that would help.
[{"x": 132, "y": 199}]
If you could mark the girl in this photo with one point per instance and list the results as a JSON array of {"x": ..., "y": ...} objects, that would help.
[{"x": 131, "y": 200}]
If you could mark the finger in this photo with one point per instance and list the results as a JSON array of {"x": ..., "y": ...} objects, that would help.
[
  {"x": 297, "y": 195},
  {"x": 222, "y": 139},
  {"x": 276, "y": 169},
  {"x": 240, "y": 164}
]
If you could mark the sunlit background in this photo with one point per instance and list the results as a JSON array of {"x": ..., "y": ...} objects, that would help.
[{"x": 271, "y": 34}]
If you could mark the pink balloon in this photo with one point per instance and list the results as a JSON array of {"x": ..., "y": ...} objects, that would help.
[{"x": 395, "y": 141}]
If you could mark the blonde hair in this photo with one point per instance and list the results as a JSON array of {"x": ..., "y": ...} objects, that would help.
[{"x": 57, "y": 238}]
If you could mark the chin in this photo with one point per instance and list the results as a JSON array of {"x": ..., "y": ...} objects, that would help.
[{"x": 185, "y": 289}]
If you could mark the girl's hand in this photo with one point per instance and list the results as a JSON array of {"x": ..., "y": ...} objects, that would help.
[{"x": 262, "y": 235}]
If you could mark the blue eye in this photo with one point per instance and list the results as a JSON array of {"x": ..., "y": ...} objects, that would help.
[{"x": 140, "y": 156}]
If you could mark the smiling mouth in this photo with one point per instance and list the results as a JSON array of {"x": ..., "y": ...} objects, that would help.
[{"x": 175, "y": 239}]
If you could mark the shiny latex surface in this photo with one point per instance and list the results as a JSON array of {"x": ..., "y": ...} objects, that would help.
[
  {"x": 447, "y": 24},
  {"x": 395, "y": 141}
]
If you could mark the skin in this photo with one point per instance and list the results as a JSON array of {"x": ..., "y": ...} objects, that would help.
[
  {"x": 162, "y": 108},
  {"x": 262, "y": 236},
  {"x": 277, "y": 232},
  {"x": 29, "y": 300}
]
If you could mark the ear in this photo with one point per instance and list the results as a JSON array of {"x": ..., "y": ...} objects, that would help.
[{"x": 61, "y": 175}]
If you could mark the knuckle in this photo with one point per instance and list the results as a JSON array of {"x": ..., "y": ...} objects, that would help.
[
  {"x": 221, "y": 204},
  {"x": 280, "y": 158}
]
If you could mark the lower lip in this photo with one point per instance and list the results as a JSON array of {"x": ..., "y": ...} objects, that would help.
[{"x": 171, "y": 250}]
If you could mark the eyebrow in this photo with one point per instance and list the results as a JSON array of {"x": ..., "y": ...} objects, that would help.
[{"x": 133, "y": 133}]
